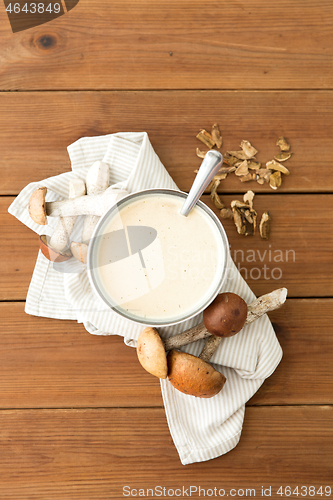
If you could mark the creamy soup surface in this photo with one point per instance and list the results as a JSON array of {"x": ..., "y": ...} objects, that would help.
[{"x": 177, "y": 266}]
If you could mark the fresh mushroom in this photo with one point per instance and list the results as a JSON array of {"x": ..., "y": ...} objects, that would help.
[
  {"x": 193, "y": 376},
  {"x": 224, "y": 318},
  {"x": 97, "y": 181},
  {"x": 50, "y": 253},
  {"x": 61, "y": 234},
  {"x": 151, "y": 353},
  {"x": 151, "y": 343},
  {"x": 84, "y": 205}
]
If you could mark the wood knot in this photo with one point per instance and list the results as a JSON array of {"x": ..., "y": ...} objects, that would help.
[{"x": 46, "y": 42}]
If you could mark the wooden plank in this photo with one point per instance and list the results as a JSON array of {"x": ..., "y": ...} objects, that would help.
[
  {"x": 84, "y": 454},
  {"x": 170, "y": 44},
  {"x": 36, "y": 129},
  {"x": 301, "y": 239},
  {"x": 297, "y": 254},
  {"x": 48, "y": 363}
]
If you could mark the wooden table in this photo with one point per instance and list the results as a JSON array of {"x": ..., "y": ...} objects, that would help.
[{"x": 79, "y": 417}]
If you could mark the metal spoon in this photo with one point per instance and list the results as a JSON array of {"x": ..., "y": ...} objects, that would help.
[{"x": 209, "y": 167}]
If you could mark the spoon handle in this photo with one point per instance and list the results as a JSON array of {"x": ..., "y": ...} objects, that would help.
[{"x": 208, "y": 168}]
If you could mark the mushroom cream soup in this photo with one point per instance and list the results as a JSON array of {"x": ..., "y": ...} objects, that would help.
[{"x": 153, "y": 263}]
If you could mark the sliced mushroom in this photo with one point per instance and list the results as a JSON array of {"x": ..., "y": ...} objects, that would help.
[{"x": 283, "y": 144}]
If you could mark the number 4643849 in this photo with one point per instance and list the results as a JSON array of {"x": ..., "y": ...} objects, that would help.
[
  {"x": 303, "y": 491},
  {"x": 33, "y": 8}
]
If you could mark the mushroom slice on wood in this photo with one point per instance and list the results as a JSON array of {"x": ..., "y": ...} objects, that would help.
[
  {"x": 216, "y": 135},
  {"x": 265, "y": 225},
  {"x": 214, "y": 196},
  {"x": 245, "y": 217},
  {"x": 201, "y": 154},
  {"x": 206, "y": 138},
  {"x": 275, "y": 180},
  {"x": 248, "y": 198},
  {"x": 238, "y": 154},
  {"x": 253, "y": 164},
  {"x": 248, "y": 149},
  {"x": 275, "y": 165},
  {"x": 242, "y": 169},
  {"x": 231, "y": 160},
  {"x": 249, "y": 177},
  {"x": 283, "y": 144},
  {"x": 283, "y": 156}
]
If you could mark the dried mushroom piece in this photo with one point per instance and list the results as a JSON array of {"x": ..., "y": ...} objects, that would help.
[
  {"x": 248, "y": 198},
  {"x": 226, "y": 213},
  {"x": 242, "y": 169},
  {"x": 230, "y": 160},
  {"x": 283, "y": 144},
  {"x": 274, "y": 165},
  {"x": 240, "y": 155},
  {"x": 253, "y": 164},
  {"x": 265, "y": 225},
  {"x": 206, "y": 138},
  {"x": 245, "y": 217},
  {"x": 275, "y": 180},
  {"x": 282, "y": 156},
  {"x": 248, "y": 149},
  {"x": 201, "y": 154},
  {"x": 249, "y": 177},
  {"x": 213, "y": 195},
  {"x": 216, "y": 135},
  {"x": 216, "y": 200}
]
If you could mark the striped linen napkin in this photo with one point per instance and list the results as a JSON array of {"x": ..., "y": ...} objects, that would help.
[{"x": 202, "y": 429}]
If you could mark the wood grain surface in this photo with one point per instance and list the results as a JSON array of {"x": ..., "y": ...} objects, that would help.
[
  {"x": 91, "y": 449},
  {"x": 36, "y": 129},
  {"x": 143, "y": 44},
  {"x": 79, "y": 417},
  {"x": 47, "y": 363},
  {"x": 301, "y": 239}
]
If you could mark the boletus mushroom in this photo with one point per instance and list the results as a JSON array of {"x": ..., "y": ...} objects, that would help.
[
  {"x": 192, "y": 375},
  {"x": 151, "y": 353},
  {"x": 228, "y": 308},
  {"x": 50, "y": 253}
]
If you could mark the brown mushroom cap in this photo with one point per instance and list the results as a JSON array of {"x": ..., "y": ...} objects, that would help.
[
  {"x": 151, "y": 353},
  {"x": 193, "y": 376},
  {"x": 50, "y": 253},
  {"x": 37, "y": 208},
  {"x": 226, "y": 315}
]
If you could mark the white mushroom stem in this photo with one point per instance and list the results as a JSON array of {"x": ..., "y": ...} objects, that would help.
[
  {"x": 85, "y": 205},
  {"x": 257, "y": 308},
  {"x": 97, "y": 181},
  {"x": 60, "y": 237}
]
